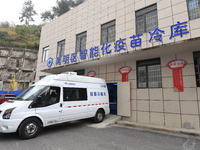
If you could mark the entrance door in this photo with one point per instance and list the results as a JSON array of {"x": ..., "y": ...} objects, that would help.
[
  {"x": 123, "y": 99},
  {"x": 112, "y": 90}
]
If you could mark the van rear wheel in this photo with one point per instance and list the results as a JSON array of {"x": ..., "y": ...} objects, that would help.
[
  {"x": 99, "y": 116},
  {"x": 29, "y": 128}
]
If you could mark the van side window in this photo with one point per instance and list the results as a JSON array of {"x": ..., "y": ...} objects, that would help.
[
  {"x": 74, "y": 94},
  {"x": 49, "y": 97}
]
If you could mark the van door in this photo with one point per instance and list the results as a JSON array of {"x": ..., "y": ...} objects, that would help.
[
  {"x": 74, "y": 103},
  {"x": 48, "y": 105}
]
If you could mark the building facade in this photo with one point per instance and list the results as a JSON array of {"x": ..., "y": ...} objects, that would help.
[{"x": 156, "y": 41}]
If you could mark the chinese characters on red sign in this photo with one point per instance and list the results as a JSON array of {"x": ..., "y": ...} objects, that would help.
[
  {"x": 125, "y": 71},
  {"x": 91, "y": 73},
  {"x": 176, "y": 66}
]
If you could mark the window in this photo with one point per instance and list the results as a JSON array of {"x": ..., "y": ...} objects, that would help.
[
  {"x": 74, "y": 94},
  {"x": 31, "y": 93},
  {"x": 146, "y": 19},
  {"x": 81, "y": 41},
  {"x": 80, "y": 72},
  {"x": 108, "y": 32},
  {"x": 50, "y": 96},
  {"x": 193, "y": 9},
  {"x": 149, "y": 73},
  {"x": 197, "y": 67},
  {"x": 45, "y": 54},
  {"x": 61, "y": 48}
]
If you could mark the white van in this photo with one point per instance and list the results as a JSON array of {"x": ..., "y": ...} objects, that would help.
[{"x": 52, "y": 100}]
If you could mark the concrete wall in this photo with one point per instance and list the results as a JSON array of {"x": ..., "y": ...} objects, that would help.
[{"x": 18, "y": 62}]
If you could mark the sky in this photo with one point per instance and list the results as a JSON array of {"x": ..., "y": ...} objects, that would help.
[{"x": 10, "y": 10}]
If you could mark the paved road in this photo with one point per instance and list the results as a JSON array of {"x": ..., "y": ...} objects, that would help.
[{"x": 80, "y": 136}]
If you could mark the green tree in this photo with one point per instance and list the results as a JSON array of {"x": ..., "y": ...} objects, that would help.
[
  {"x": 5, "y": 24},
  {"x": 62, "y": 6},
  {"x": 78, "y": 2},
  {"x": 47, "y": 16},
  {"x": 27, "y": 12}
]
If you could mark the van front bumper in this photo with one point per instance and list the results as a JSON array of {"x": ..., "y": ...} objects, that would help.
[{"x": 9, "y": 125}]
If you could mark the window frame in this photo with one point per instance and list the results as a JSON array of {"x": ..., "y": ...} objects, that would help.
[
  {"x": 107, "y": 31},
  {"x": 144, "y": 17},
  {"x": 147, "y": 62},
  {"x": 61, "y": 50},
  {"x": 46, "y": 52},
  {"x": 189, "y": 16},
  {"x": 42, "y": 92},
  {"x": 78, "y": 49},
  {"x": 86, "y": 98}
]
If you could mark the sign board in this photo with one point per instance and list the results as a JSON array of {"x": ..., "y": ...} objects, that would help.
[
  {"x": 91, "y": 73},
  {"x": 176, "y": 66},
  {"x": 125, "y": 71},
  {"x": 178, "y": 29},
  {"x": 49, "y": 62}
]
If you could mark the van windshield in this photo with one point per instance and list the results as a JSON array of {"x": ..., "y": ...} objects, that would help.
[{"x": 31, "y": 93}]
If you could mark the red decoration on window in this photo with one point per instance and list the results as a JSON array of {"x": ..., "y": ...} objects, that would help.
[
  {"x": 176, "y": 66},
  {"x": 125, "y": 71},
  {"x": 91, "y": 73}
]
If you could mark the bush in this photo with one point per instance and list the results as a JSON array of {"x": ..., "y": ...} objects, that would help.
[
  {"x": 21, "y": 36},
  {"x": 3, "y": 35}
]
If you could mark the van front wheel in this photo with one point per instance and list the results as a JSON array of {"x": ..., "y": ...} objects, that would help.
[
  {"x": 99, "y": 116},
  {"x": 29, "y": 128}
]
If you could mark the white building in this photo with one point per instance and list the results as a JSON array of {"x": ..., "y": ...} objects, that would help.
[{"x": 105, "y": 35}]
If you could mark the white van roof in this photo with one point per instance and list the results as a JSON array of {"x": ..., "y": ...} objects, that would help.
[
  {"x": 69, "y": 77},
  {"x": 77, "y": 78}
]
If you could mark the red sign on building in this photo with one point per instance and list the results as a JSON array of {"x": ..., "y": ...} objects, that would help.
[
  {"x": 176, "y": 66},
  {"x": 125, "y": 71},
  {"x": 91, "y": 73}
]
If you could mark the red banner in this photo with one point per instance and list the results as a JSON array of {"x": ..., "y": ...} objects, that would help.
[
  {"x": 176, "y": 66},
  {"x": 178, "y": 79}
]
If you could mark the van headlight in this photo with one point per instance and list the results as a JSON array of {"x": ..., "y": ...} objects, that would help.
[{"x": 7, "y": 113}]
